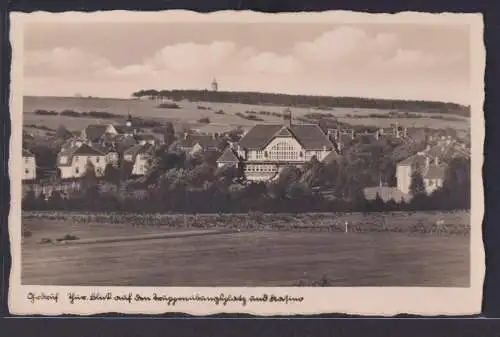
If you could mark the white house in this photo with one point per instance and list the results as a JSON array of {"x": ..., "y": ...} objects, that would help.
[
  {"x": 266, "y": 149},
  {"x": 29, "y": 165},
  {"x": 431, "y": 170},
  {"x": 72, "y": 161},
  {"x": 140, "y": 156}
]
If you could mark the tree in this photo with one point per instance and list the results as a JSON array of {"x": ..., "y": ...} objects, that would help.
[
  {"x": 111, "y": 173},
  {"x": 456, "y": 184},
  {"x": 169, "y": 134},
  {"x": 378, "y": 204},
  {"x": 417, "y": 186},
  {"x": 63, "y": 133},
  {"x": 29, "y": 200}
]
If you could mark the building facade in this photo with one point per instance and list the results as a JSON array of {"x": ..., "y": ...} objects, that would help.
[
  {"x": 140, "y": 157},
  {"x": 74, "y": 160},
  {"x": 266, "y": 149},
  {"x": 432, "y": 164},
  {"x": 29, "y": 166}
]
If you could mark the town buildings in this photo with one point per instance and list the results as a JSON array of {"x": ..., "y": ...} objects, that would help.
[
  {"x": 139, "y": 156},
  {"x": 193, "y": 144},
  {"x": 431, "y": 163},
  {"x": 267, "y": 148},
  {"x": 29, "y": 166},
  {"x": 73, "y": 160}
]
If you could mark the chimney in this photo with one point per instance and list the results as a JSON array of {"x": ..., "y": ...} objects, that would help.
[
  {"x": 427, "y": 161},
  {"x": 436, "y": 161},
  {"x": 287, "y": 117},
  {"x": 405, "y": 132},
  {"x": 186, "y": 135}
]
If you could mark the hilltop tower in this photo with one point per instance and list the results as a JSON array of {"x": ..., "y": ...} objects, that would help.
[{"x": 215, "y": 85}]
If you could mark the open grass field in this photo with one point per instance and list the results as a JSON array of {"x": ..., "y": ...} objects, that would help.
[
  {"x": 270, "y": 257},
  {"x": 189, "y": 113}
]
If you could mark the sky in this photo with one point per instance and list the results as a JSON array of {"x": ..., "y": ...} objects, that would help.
[{"x": 401, "y": 61}]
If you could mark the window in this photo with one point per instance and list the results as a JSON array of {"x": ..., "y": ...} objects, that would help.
[
  {"x": 77, "y": 170},
  {"x": 97, "y": 159},
  {"x": 26, "y": 171},
  {"x": 26, "y": 159},
  {"x": 64, "y": 159},
  {"x": 259, "y": 155},
  {"x": 77, "y": 158},
  {"x": 283, "y": 151}
]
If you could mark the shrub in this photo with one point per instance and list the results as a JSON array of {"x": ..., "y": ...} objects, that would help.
[
  {"x": 45, "y": 240},
  {"x": 46, "y": 112},
  {"x": 169, "y": 106},
  {"x": 67, "y": 237},
  {"x": 204, "y": 120}
]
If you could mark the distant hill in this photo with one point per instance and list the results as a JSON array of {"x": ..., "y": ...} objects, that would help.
[{"x": 305, "y": 101}]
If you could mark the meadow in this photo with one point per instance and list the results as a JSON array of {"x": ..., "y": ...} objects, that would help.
[
  {"x": 191, "y": 112},
  {"x": 277, "y": 250}
]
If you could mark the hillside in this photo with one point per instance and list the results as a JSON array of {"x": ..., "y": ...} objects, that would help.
[{"x": 306, "y": 101}]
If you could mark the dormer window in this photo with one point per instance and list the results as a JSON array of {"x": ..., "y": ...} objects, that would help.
[{"x": 64, "y": 160}]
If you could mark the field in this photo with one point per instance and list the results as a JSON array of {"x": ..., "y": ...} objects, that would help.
[
  {"x": 190, "y": 113},
  {"x": 272, "y": 257}
]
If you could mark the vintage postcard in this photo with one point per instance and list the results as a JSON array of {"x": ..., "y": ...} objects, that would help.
[{"x": 239, "y": 162}]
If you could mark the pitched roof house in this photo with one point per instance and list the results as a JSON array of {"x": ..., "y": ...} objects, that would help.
[
  {"x": 72, "y": 161},
  {"x": 267, "y": 148},
  {"x": 432, "y": 164},
  {"x": 229, "y": 158},
  {"x": 193, "y": 144},
  {"x": 139, "y": 155},
  {"x": 95, "y": 132}
]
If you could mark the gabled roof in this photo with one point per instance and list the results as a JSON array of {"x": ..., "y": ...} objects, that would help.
[
  {"x": 146, "y": 136},
  {"x": 94, "y": 132},
  {"x": 442, "y": 151},
  {"x": 205, "y": 141},
  {"x": 82, "y": 150},
  {"x": 121, "y": 129},
  {"x": 310, "y": 136},
  {"x": 27, "y": 153},
  {"x": 228, "y": 156},
  {"x": 139, "y": 149}
]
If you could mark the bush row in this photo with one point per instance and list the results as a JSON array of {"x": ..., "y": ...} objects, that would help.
[{"x": 453, "y": 223}]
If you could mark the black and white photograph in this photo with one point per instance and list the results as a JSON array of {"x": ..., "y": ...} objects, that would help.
[{"x": 320, "y": 157}]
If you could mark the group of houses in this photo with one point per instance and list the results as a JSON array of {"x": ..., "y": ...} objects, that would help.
[{"x": 263, "y": 152}]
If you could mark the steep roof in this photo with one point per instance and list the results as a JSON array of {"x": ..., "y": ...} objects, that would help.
[
  {"x": 139, "y": 149},
  {"x": 205, "y": 141},
  {"x": 82, "y": 150},
  {"x": 146, "y": 136},
  {"x": 123, "y": 129},
  {"x": 94, "y": 132},
  {"x": 228, "y": 156},
  {"x": 442, "y": 151},
  {"x": 309, "y": 136}
]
